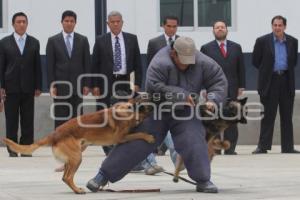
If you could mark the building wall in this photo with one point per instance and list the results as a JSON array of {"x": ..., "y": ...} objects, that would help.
[
  {"x": 253, "y": 18},
  {"x": 141, "y": 18},
  {"x": 44, "y": 17}
]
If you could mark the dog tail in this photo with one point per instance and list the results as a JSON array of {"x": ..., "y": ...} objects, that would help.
[{"x": 27, "y": 149}]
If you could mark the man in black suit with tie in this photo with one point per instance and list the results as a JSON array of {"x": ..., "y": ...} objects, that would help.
[
  {"x": 115, "y": 56},
  {"x": 275, "y": 56},
  {"x": 20, "y": 75},
  {"x": 68, "y": 57},
  {"x": 229, "y": 56},
  {"x": 170, "y": 24}
]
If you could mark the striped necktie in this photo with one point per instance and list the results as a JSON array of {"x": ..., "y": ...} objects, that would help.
[
  {"x": 21, "y": 44},
  {"x": 117, "y": 56},
  {"x": 68, "y": 45}
]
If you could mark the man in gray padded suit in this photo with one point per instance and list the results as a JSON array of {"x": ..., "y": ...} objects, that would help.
[{"x": 179, "y": 72}]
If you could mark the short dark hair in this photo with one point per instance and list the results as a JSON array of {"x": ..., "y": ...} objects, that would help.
[
  {"x": 18, "y": 14},
  {"x": 171, "y": 17},
  {"x": 279, "y": 17},
  {"x": 219, "y": 21},
  {"x": 68, "y": 13}
]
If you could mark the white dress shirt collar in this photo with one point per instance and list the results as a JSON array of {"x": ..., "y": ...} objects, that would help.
[
  {"x": 219, "y": 42},
  {"x": 66, "y": 34},
  {"x": 167, "y": 38},
  {"x": 120, "y": 36},
  {"x": 17, "y": 36}
]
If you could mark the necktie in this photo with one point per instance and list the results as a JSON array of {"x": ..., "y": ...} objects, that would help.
[
  {"x": 170, "y": 40},
  {"x": 117, "y": 57},
  {"x": 222, "y": 48},
  {"x": 21, "y": 44},
  {"x": 68, "y": 44}
]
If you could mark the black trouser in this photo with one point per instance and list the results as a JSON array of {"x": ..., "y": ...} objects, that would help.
[
  {"x": 279, "y": 95},
  {"x": 106, "y": 101},
  {"x": 63, "y": 111},
  {"x": 19, "y": 104}
]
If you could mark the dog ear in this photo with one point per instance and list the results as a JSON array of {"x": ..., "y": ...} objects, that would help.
[{"x": 243, "y": 101}]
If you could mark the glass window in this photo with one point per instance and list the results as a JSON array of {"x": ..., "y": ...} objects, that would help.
[
  {"x": 210, "y": 11},
  {"x": 183, "y": 9},
  {"x": 206, "y": 11}
]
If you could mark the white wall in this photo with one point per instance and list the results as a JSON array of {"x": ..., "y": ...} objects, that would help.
[
  {"x": 253, "y": 19},
  {"x": 141, "y": 17},
  {"x": 45, "y": 15}
]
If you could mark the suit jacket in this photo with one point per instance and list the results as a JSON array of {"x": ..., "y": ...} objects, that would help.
[
  {"x": 154, "y": 45},
  {"x": 103, "y": 61},
  {"x": 263, "y": 58},
  {"x": 233, "y": 65},
  {"x": 63, "y": 68},
  {"x": 20, "y": 73}
]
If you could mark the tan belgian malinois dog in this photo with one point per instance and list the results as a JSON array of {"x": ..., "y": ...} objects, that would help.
[{"x": 68, "y": 140}]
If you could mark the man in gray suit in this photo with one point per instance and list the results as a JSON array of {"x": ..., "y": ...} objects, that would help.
[
  {"x": 68, "y": 57},
  {"x": 170, "y": 24},
  {"x": 178, "y": 74},
  {"x": 229, "y": 56}
]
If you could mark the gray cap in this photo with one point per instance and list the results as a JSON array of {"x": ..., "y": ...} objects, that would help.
[{"x": 186, "y": 50}]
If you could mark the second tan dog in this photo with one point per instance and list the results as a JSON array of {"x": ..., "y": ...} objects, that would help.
[{"x": 69, "y": 138}]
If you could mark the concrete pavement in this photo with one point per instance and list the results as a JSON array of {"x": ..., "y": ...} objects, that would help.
[{"x": 271, "y": 176}]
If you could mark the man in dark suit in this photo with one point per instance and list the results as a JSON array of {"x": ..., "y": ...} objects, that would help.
[
  {"x": 170, "y": 24},
  {"x": 275, "y": 56},
  {"x": 68, "y": 57},
  {"x": 229, "y": 56},
  {"x": 20, "y": 75},
  {"x": 115, "y": 55}
]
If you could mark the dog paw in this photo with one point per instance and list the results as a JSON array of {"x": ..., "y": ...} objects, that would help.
[
  {"x": 226, "y": 144},
  {"x": 80, "y": 191},
  {"x": 150, "y": 139}
]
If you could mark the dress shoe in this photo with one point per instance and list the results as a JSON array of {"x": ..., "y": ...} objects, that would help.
[
  {"x": 206, "y": 187},
  {"x": 155, "y": 169},
  {"x": 24, "y": 155},
  {"x": 259, "y": 151},
  {"x": 292, "y": 151},
  {"x": 13, "y": 154},
  {"x": 230, "y": 153},
  {"x": 95, "y": 183}
]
